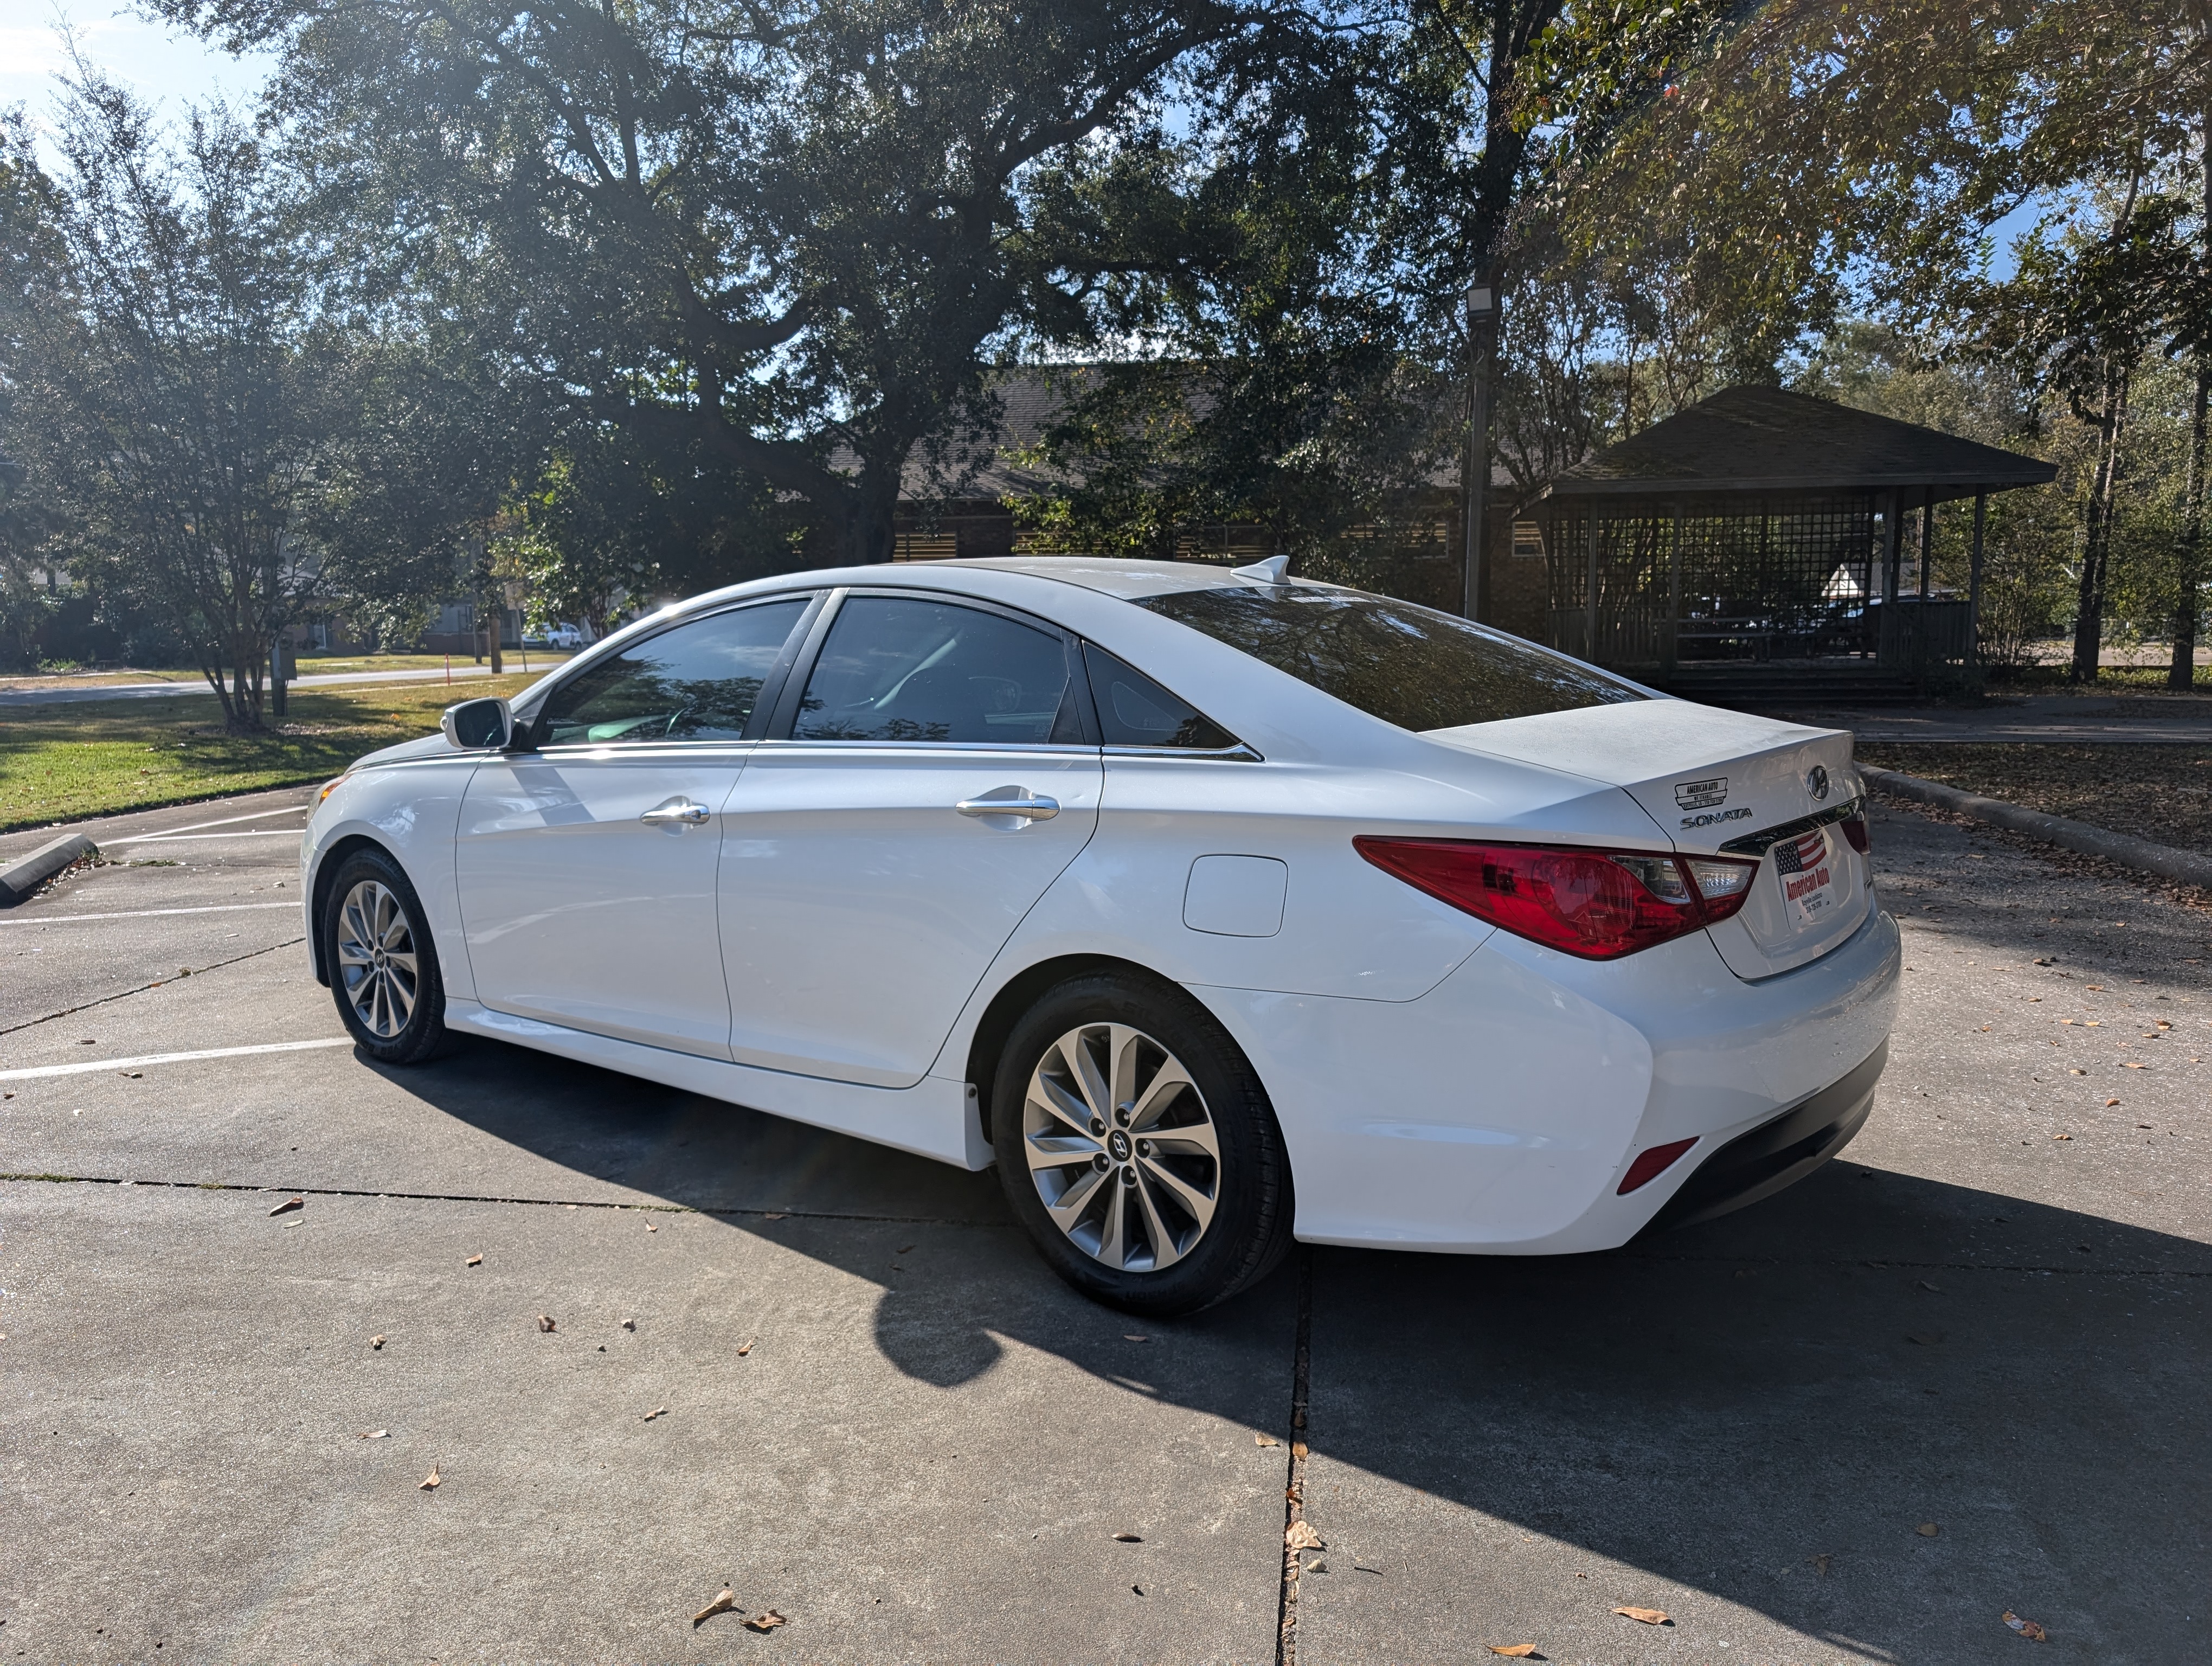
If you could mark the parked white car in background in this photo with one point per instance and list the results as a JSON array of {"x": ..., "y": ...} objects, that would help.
[{"x": 1217, "y": 910}]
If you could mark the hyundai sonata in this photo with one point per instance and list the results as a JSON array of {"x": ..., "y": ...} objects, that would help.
[{"x": 1217, "y": 909}]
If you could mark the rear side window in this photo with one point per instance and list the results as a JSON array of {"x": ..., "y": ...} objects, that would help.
[
  {"x": 698, "y": 681},
  {"x": 1135, "y": 711},
  {"x": 1405, "y": 664},
  {"x": 896, "y": 669}
]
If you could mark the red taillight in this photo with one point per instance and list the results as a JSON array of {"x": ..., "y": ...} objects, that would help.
[
  {"x": 1861, "y": 835},
  {"x": 1600, "y": 904},
  {"x": 1652, "y": 1164}
]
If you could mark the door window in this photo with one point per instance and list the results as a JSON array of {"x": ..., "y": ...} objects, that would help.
[
  {"x": 699, "y": 681},
  {"x": 899, "y": 668}
]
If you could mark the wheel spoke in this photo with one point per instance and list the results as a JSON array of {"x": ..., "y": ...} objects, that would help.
[
  {"x": 1165, "y": 1252},
  {"x": 351, "y": 953},
  {"x": 1049, "y": 1095},
  {"x": 1068, "y": 1208},
  {"x": 1057, "y": 1151},
  {"x": 1076, "y": 1049},
  {"x": 1187, "y": 1139},
  {"x": 1114, "y": 1235},
  {"x": 1197, "y": 1204},
  {"x": 1166, "y": 1086},
  {"x": 1124, "y": 1042},
  {"x": 402, "y": 993}
]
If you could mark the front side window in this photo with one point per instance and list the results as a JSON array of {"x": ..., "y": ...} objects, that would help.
[
  {"x": 1405, "y": 664},
  {"x": 698, "y": 681},
  {"x": 900, "y": 668}
]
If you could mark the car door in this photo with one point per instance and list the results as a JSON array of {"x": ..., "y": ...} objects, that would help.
[
  {"x": 869, "y": 872},
  {"x": 586, "y": 867}
]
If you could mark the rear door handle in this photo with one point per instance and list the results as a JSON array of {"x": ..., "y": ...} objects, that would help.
[
  {"x": 1030, "y": 809},
  {"x": 679, "y": 810}
]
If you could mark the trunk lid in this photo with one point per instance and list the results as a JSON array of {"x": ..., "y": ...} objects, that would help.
[{"x": 1727, "y": 783}]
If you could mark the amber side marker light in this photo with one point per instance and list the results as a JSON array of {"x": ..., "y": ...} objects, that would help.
[{"x": 1652, "y": 1164}]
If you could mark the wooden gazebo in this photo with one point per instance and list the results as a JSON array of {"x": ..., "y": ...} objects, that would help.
[{"x": 1762, "y": 533}]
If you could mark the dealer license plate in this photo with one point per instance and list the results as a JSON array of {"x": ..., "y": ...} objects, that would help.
[{"x": 1807, "y": 868}]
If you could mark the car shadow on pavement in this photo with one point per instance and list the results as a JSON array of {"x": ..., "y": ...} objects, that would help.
[{"x": 1768, "y": 1408}]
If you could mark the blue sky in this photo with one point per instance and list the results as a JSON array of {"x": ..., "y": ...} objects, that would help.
[{"x": 166, "y": 66}]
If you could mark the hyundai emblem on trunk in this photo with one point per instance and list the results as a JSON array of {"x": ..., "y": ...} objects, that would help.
[{"x": 1816, "y": 781}]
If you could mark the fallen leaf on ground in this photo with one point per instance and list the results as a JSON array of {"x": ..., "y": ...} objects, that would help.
[
  {"x": 658, "y": 1411},
  {"x": 745, "y": 1347},
  {"x": 1820, "y": 1564},
  {"x": 1927, "y": 1529},
  {"x": 724, "y": 1602},
  {"x": 1927, "y": 1339},
  {"x": 431, "y": 1482},
  {"x": 2069, "y": 1136},
  {"x": 1297, "y": 1448},
  {"x": 1134, "y": 1336},
  {"x": 1128, "y": 1538},
  {"x": 2130, "y": 1064},
  {"x": 1264, "y": 1440},
  {"x": 86, "y": 1041},
  {"x": 904, "y": 1248},
  {"x": 2109, "y": 1104},
  {"x": 629, "y": 1324},
  {"x": 376, "y": 1341},
  {"x": 650, "y": 1227},
  {"x": 545, "y": 1321},
  {"x": 375, "y": 1434},
  {"x": 474, "y": 1261},
  {"x": 1937, "y": 1288},
  {"x": 1515, "y": 1651},
  {"x": 2027, "y": 1628},
  {"x": 1645, "y": 1616},
  {"x": 1300, "y": 1536},
  {"x": 289, "y": 1204},
  {"x": 778, "y": 1215},
  {"x": 766, "y": 1620},
  {"x": 132, "y": 1075}
]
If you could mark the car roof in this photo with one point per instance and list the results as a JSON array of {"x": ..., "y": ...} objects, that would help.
[{"x": 1112, "y": 576}]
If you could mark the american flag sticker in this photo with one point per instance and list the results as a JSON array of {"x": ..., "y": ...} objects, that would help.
[{"x": 1807, "y": 876}]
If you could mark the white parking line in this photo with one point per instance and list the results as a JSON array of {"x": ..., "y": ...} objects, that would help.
[
  {"x": 227, "y": 821},
  {"x": 143, "y": 913},
  {"x": 195, "y": 838},
  {"x": 91, "y": 1065}
]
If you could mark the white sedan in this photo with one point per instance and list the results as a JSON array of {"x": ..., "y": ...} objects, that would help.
[{"x": 1216, "y": 908}]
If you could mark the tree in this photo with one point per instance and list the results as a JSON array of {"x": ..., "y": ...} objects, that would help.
[
  {"x": 784, "y": 234},
  {"x": 179, "y": 403}
]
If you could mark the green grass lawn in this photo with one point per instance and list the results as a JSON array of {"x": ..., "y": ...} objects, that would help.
[{"x": 61, "y": 763}]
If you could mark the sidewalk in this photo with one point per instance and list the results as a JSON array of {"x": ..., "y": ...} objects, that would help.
[{"x": 168, "y": 690}]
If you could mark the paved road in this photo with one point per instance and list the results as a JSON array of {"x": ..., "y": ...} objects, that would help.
[
  {"x": 2179, "y": 720},
  {"x": 886, "y": 1422},
  {"x": 198, "y": 685}
]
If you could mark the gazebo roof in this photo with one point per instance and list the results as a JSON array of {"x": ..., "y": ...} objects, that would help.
[{"x": 1763, "y": 441}]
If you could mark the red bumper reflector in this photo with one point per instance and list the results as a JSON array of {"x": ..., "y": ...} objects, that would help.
[
  {"x": 1653, "y": 1163},
  {"x": 1861, "y": 835}
]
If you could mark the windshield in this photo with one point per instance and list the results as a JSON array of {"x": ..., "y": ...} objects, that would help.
[{"x": 1405, "y": 664}]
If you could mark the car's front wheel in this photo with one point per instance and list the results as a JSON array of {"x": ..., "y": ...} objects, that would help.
[
  {"x": 383, "y": 965},
  {"x": 1136, "y": 1143}
]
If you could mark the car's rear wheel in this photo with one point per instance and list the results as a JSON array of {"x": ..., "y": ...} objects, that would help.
[
  {"x": 1138, "y": 1145},
  {"x": 383, "y": 965}
]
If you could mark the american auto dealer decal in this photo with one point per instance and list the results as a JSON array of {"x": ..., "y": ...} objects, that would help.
[{"x": 1808, "y": 878}]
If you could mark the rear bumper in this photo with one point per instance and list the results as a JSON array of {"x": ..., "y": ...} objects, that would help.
[
  {"x": 1498, "y": 1114},
  {"x": 1777, "y": 1154}
]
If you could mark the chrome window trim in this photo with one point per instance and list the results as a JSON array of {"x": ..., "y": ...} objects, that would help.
[
  {"x": 621, "y": 642},
  {"x": 1242, "y": 752}
]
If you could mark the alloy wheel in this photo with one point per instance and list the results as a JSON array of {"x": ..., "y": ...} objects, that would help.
[
  {"x": 376, "y": 958},
  {"x": 1121, "y": 1148}
]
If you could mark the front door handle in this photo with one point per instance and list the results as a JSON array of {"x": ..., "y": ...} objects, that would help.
[
  {"x": 678, "y": 811},
  {"x": 1036, "y": 809}
]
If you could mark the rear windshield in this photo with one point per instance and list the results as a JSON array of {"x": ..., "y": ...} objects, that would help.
[{"x": 1405, "y": 664}]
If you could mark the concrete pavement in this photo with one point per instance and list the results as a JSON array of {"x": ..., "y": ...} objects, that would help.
[{"x": 887, "y": 1422}]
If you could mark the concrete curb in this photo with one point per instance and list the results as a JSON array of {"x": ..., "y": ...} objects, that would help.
[
  {"x": 2163, "y": 859},
  {"x": 26, "y": 873}
]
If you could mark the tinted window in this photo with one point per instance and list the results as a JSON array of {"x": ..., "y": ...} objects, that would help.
[
  {"x": 697, "y": 682},
  {"x": 1405, "y": 664},
  {"x": 900, "y": 669},
  {"x": 1135, "y": 711}
]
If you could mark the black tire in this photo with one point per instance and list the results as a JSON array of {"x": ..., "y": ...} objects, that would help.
[
  {"x": 1249, "y": 1226},
  {"x": 406, "y": 1018}
]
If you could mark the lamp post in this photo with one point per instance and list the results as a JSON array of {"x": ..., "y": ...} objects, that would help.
[{"x": 1475, "y": 475}]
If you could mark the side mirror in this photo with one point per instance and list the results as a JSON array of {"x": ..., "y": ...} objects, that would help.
[{"x": 478, "y": 724}]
